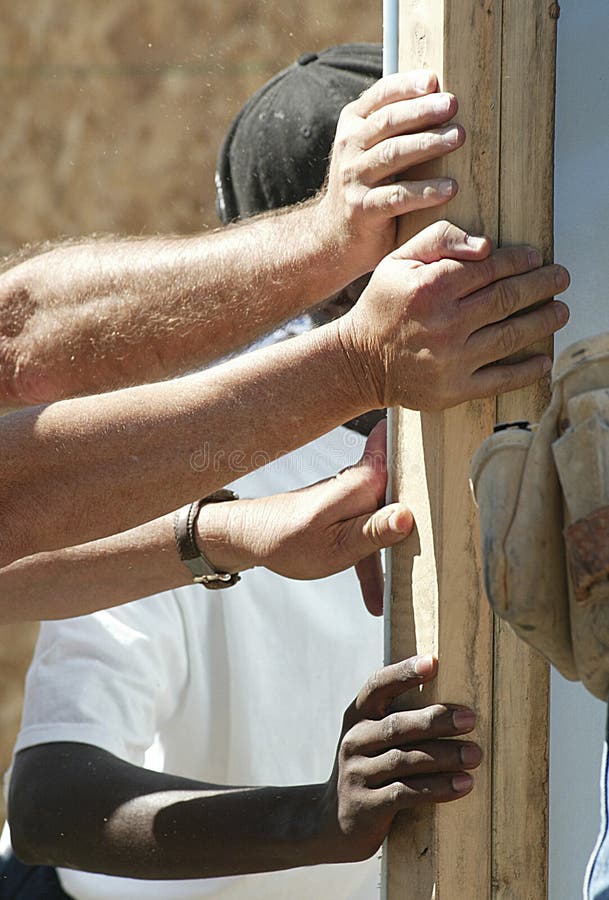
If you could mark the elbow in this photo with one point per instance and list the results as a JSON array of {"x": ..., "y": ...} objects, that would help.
[
  {"x": 35, "y": 816},
  {"x": 11, "y": 393},
  {"x": 25, "y": 846},
  {"x": 15, "y": 310},
  {"x": 19, "y": 348},
  {"x": 29, "y": 837}
]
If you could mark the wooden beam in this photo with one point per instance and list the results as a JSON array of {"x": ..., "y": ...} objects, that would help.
[
  {"x": 497, "y": 56},
  {"x": 521, "y": 704}
]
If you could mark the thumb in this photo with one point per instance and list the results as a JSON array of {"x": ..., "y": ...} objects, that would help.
[
  {"x": 385, "y": 527},
  {"x": 375, "y": 451},
  {"x": 442, "y": 240},
  {"x": 362, "y": 538}
]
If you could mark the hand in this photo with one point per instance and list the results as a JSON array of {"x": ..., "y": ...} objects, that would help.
[
  {"x": 387, "y": 762},
  {"x": 316, "y": 531},
  {"x": 441, "y": 314},
  {"x": 397, "y": 123}
]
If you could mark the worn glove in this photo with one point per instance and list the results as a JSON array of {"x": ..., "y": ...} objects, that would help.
[{"x": 543, "y": 498}]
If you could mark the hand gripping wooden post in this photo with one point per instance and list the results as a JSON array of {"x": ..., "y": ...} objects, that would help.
[{"x": 498, "y": 57}]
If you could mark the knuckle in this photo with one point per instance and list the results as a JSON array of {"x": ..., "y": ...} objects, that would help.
[
  {"x": 418, "y": 759},
  {"x": 390, "y": 727},
  {"x": 507, "y": 338},
  {"x": 372, "y": 684},
  {"x": 348, "y": 747},
  {"x": 506, "y": 379},
  {"x": 434, "y": 714},
  {"x": 397, "y": 196},
  {"x": 375, "y": 530},
  {"x": 518, "y": 259},
  {"x": 504, "y": 300},
  {"x": 394, "y": 758},
  {"x": 348, "y": 175},
  {"x": 427, "y": 719},
  {"x": 383, "y": 119},
  {"x": 388, "y": 153},
  {"x": 343, "y": 125},
  {"x": 427, "y": 141},
  {"x": 445, "y": 233},
  {"x": 486, "y": 270},
  {"x": 406, "y": 670},
  {"x": 396, "y": 793}
]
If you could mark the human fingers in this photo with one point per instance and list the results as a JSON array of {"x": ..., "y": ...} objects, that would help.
[
  {"x": 504, "y": 377},
  {"x": 424, "y": 758},
  {"x": 441, "y": 720},
  {"x": 443, "y": 240},
  {"x": 359, "y": 489},
  {"x": 369, "y": 573},
  {"x": 422, "y": 790},
  {"x": 394, "y": 155},
  {"x": 509, "y": 294},
  {"x": 393, "y": 88},
  {"x": 406, "y": 117},
  {"x": 359, "y": 537},
  {"x": 366, "y": 534},
  {"x": 375, "y": 450},
  {"x": 459, "y": 278},
  {"x": 402, "y": 197},
  {"x": 503, "y": 339},
  {"x": 389, "y": 682}
]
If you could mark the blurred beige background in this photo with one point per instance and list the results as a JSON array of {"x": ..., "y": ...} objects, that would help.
[{"x": 112, "y": 115}]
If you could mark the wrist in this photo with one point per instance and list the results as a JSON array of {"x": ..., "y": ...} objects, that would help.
[
  {"x": 337, "y": 257},
  {"x": 218, "y": 533},
  {"x": 361, "y": 367}
]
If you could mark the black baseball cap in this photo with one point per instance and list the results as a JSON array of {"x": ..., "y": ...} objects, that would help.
[{"x": 276, "y": 151}]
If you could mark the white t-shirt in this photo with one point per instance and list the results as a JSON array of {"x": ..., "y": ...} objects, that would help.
[{"x": 243, "y": 686}]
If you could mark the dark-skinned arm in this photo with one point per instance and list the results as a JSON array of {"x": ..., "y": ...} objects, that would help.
[{"x": 77, "y": 806}]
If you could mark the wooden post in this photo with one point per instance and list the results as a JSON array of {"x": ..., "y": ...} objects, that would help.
[{"x": 498, "y": 57}]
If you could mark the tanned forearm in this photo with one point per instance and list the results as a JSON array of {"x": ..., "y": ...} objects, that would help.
[
  {"x": 86, "y": 468},
  {"x": 77, "y": 806},
  {"x": 98, "y": 315},
  {"x": 97, "y": 575}
]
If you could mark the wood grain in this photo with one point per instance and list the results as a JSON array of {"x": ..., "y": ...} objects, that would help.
[
  {"x": 492, "y": 843},
  {"x": 521, "y": 683}
]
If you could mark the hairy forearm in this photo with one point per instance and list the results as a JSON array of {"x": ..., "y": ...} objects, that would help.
[
  {"x": 137, "y": 563},
  {"x": 98, "y": 315},
  {"x": 80, "y": 807},
  {"x": 98, "y": 575},
  {"x": 82, "y": 469}
]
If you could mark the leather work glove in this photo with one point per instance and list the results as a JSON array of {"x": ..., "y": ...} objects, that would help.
[{"x": 543, "y": 497}]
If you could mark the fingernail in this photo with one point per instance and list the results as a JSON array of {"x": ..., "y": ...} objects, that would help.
[
  {"x": 476, "y": 243},
  {"x": 562, "y": 312},
  {"x": 422, "y": 79},
  {"x": 470, "y": 755},
  {"x": 461, "y": 783},
  {"x": 424, "y": 664},
  {"x": 396, "y": 522},
  {"x": 561, "y": 279},
  {"x": 452, "y": 136},
  {"x": 535, "y": 258},
  {"x": 446, "y": 188},
  {"x": 441, "y": 103},
  {"x": 464, "y": 719}
]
